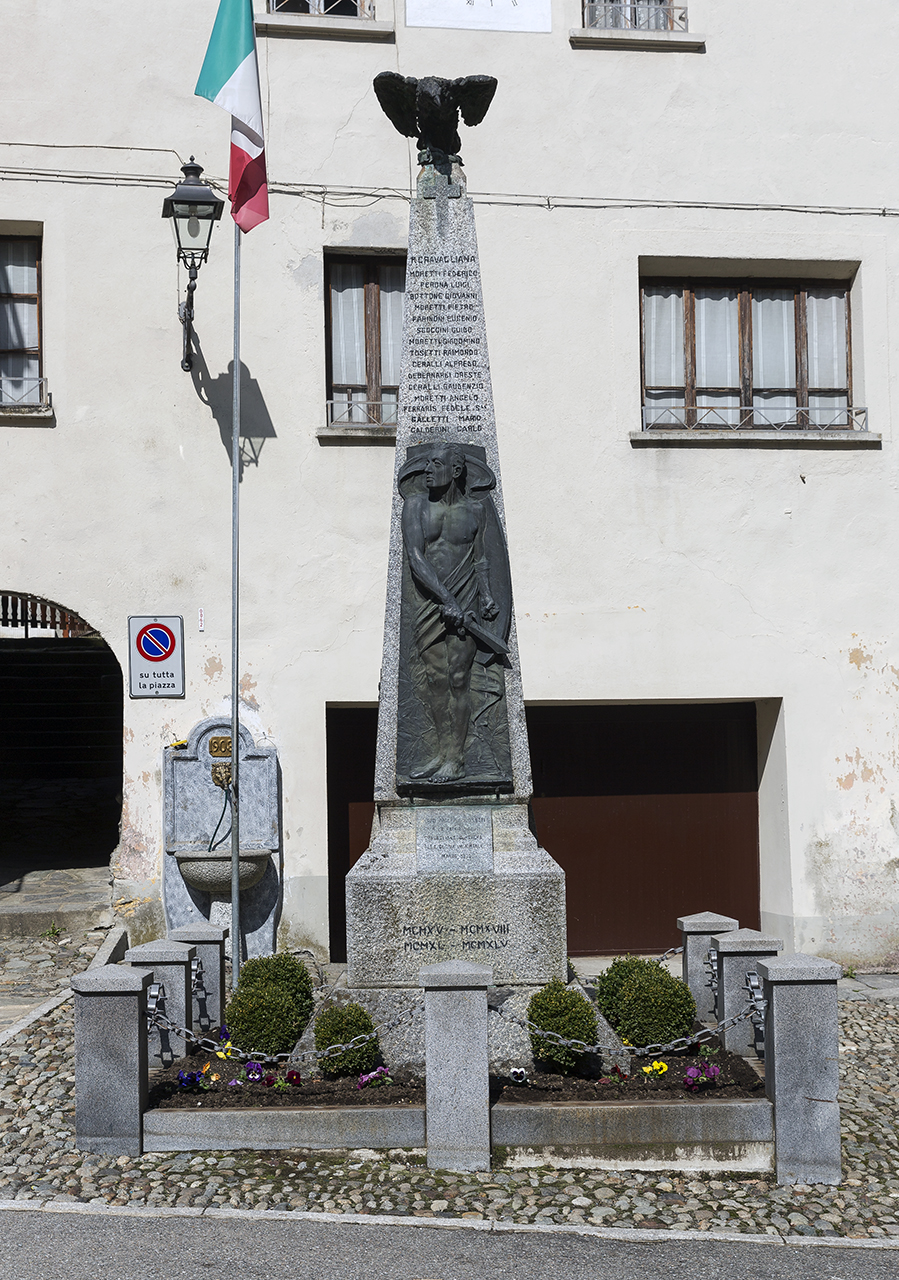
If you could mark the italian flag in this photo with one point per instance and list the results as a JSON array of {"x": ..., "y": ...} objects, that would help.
[{"x": 230, "y": 79}]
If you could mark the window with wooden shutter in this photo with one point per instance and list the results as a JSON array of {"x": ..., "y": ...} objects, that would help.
[
  {"x": 747, "y": 355},
  {"x": 21, "y": 383},
  {"x": 365, "y": 330}
]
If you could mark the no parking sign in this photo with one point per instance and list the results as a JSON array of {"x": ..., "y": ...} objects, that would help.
[{"x": 156, "y": 657}]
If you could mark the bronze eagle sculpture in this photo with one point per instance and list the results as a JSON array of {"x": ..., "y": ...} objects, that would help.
[{"x": 428, "y": 109}]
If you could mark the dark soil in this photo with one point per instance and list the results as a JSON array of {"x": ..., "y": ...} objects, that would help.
[
  {"x": 737, "y": 1080},
  {"x": 167, "y": 1094}
]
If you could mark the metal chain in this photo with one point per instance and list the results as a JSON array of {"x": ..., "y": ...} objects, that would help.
[
  {"x": 710, "y": 964},
  {"x": 755, "y": 1010},
  {"x": 156, "y": 1018},
  {"x": 672, "y": 951}
]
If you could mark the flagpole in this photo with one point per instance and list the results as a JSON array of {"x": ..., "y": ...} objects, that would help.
[{"x": 235, "y": 616}]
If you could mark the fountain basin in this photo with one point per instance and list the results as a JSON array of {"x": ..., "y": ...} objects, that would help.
[{"x": 210, "y": 871}]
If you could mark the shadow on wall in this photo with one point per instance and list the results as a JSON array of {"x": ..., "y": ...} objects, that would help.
[{"x": 256, "y": 425}]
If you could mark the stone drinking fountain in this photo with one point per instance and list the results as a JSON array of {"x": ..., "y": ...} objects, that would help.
[{"x": 197, "y": 865}]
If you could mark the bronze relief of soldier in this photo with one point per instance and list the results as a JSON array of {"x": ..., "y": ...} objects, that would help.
[{"x": 457, "y": 608}]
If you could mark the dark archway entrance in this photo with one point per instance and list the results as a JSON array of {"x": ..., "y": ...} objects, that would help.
[
  {"x": 651, "y": 810},
  {"x": 61, "y": 708}
]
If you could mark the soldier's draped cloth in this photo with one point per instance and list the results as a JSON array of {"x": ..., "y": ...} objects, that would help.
[{"x": 462, "y": 583}]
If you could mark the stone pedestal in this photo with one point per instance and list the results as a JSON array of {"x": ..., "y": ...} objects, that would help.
[
  {"x": 170, "y": 963},
  {"x": 801, "y": 1066},
  {"x": 111, "y": 1059},
  {"x": 455, "y": 882},
  {"x": 697, "y": 932},
  {"x": 458, "y": 1094},
  {"x": 738, "y": 952},
  {"x": 209, "y": 995}
]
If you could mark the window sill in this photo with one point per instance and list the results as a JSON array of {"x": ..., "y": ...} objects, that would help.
[
  {"x": 667, "y": 41},
  {"x": 27, "y": 415},
  {"x": 361, "y": 435},
  {"x": 321, "y": 27},
  {"x": 702, "y": 438}
]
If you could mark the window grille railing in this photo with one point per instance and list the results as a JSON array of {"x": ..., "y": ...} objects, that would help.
[
  {"x": 325, "y": 8},
  {"x": 351, "y": 409},
  {"x": 639, "y": 15},
  {"x": 748, "y": 418},
  {"x": 23, "y": 393}
]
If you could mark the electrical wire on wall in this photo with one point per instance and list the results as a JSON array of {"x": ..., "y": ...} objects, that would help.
[{"x": 345, "y": 197}]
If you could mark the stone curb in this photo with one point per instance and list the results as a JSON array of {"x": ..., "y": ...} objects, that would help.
[
  {"x": 635, "y": 1235},
  {"x": 113, "y": 948},
  {"x": 115, "y": 944},
  {"x": 46, "y": 1006}
]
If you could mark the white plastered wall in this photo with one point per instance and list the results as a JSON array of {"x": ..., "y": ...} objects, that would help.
[{"x": 640, "y": 574}]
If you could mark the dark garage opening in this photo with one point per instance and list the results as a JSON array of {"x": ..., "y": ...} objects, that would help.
[
  {"x": 652, "y": 811},
  {"x": 61, "y": 709}
]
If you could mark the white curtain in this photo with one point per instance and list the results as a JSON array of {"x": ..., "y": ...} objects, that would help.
[
  {"x": 644, "y": 15},
  {"x": 649, "y": 15},
  {"x": 19, "y": 380},
  {"x": 18, "y": 323},
  {"x": 392, "y": 281},
  {"x": 663, "y": 323},
  {"x": 773, "y": 356},
  {"x": 347, "y": 325},
  {"x": 826, "y": 319},
  {"x": 717, "y": 314},
  {"x": 18, "y": 266},
  {"x": 19, "y": 370},
  {"x": 663, "y": 318}
]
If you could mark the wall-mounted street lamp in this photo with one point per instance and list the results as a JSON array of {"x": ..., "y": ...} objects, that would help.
[{"x": 193, "y": 207}]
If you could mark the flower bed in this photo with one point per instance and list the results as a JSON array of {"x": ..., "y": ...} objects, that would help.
[{"x": 215, "y": 1084}]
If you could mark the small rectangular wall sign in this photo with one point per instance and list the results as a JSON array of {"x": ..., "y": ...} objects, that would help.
[
  {"x": 481, "y": 15},
  {"x": 156, "y": 657}
]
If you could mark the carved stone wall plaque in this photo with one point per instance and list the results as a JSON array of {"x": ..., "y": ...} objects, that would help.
[{"x": 454, "y": 839}]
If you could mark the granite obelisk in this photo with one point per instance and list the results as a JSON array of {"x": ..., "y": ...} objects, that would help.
[{"x": 453, "y": 870}]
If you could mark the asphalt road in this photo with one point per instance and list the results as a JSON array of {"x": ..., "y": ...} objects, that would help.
[{"x": 63, "y": 1246}]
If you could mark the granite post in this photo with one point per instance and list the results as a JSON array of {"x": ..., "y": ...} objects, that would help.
[
  {"x": 456, "y": 1071},
  {"x": 697, "y": 932},
  {"x": 738, "y": 952},
  {"x": 802, "y": 1066},
  {"x": 111, "y": 1059},
  {"x": 209, "y": 995},
  {"x": 453, "y": 870},
  {"x": 170, "y": 963}
]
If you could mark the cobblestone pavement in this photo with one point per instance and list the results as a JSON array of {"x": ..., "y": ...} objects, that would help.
[
  {"x": 38, "y": 1160},
  {"x": 31, "y": 969}
]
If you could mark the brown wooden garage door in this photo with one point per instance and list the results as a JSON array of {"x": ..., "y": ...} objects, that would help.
[{"x": 652, "y": 811}]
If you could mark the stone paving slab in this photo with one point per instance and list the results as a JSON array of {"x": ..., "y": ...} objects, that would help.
[
  {"x": 73, "y": 900},
  {"x": 39, "y": 1164}
]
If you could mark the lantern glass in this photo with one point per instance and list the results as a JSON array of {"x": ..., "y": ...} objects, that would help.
[
  {"x": 193, "y": 229},
  {"x": 193, "y": 207}
]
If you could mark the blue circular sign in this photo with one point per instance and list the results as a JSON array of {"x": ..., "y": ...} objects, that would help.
[{"x": 156, "y": 642}]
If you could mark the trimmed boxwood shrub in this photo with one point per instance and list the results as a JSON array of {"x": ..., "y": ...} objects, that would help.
[
  {"x": 264, "y": 1020},
  {"x": 272, "y": 1005},
  {"x": 285, "y": 973},
  {"x": 569, "y": 1014},
  {"x": 338, "y": 1025},
  {"x": 655, "y": 1007},
  {"x": 612, "y": 981}
]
